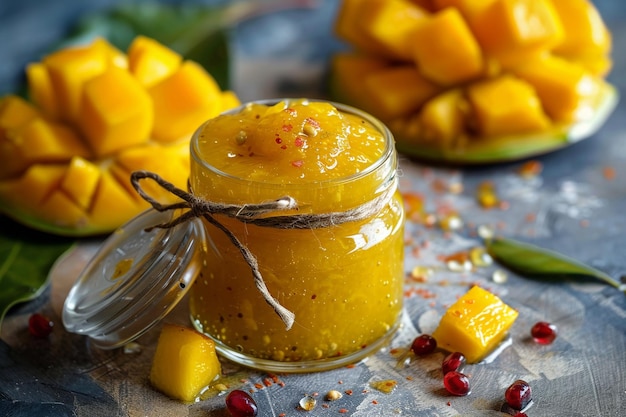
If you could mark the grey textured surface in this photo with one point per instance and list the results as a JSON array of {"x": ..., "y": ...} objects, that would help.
[{"x": 574, "y": 208}]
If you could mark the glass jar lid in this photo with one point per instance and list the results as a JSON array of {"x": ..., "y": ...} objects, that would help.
[{"x": 135, "y": 279}]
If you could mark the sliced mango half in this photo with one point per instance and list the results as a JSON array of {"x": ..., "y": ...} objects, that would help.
[
  {"x": 96, "y": 115},
  {"x": 476, "y": 81}
]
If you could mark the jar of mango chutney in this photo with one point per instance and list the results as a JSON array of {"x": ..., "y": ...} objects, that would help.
[
  {"x": 288, "y": 243},
  {"x": 329, "y": 255}
]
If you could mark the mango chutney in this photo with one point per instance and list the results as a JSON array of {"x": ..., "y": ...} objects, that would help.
[{"x": 341, "y": 274}]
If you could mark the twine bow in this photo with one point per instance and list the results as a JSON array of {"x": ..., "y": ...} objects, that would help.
[{"x": 253, "y": 214}]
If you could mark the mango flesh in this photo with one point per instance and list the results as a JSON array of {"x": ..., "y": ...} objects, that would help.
[
  {"x": 445, "y": 49},
  {"x": 550, "y": 55},
  {"x": 96, "y": 115},
  {"x": 475, "y": 324},
  {"x": 185, "y": 362}
]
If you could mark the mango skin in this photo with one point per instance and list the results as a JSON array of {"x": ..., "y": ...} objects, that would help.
[
  {"x": 475, "y": 324},
  {"x": 95, "y": 115}
]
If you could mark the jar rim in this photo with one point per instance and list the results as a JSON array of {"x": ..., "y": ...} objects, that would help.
[{"x": 388, "y": 153}]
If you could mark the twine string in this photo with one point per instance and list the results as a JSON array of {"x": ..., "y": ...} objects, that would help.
[{"x": 256, "y": 214}]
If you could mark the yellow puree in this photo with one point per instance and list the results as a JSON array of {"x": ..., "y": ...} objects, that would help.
[{"x": 343, "y": 282}]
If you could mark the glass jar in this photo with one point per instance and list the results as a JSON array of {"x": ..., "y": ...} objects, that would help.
[
  {"x": 329, "y": 256},
  {"x": 342, "y": 280}
]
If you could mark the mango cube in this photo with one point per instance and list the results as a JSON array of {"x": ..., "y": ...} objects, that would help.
[
  {"x": 443, "y": 118},
  {"x": 398, "y": 91},
  {"x": 39, "y": 141},
  {"x": 116, "y": 112},
  {"x": 445, "y": 49},
  {"x": 349, "y": 69},
  {"x": 69, "y": 69},
  {"x": 475, "y": 324},
  {"x": 348, "y": 28},
  {"x": 80, "y": 181},
  {"x": 506, "y": 105},
  {"x": 41, "y": 90},
  {"x": 585, "y": 31},
  {"x": 185, "y": 362},
  {"x": 468, "y": 8},
  {"x": 509, "y": 30},
  {"x": 150, "y": 61},
  {"x": 183, "y": 101},
  {"x": 391, "y": 23},
  {"x": 564, "y": 87},
  {"x": 15, "y": 112}
]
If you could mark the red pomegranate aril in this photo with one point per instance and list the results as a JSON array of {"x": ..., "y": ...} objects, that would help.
[
  {"x": 518, "y": 395},
  {"x": 240, "y": 404},
  {"x": 423, "y": 345},
  {"x": 456, "y": 383},
  {"x": 40, "y": 326},
  {"x": 543, "y": 332},
  {"x": 453, "y": 362},
  {"x": 520, "y": 414}
]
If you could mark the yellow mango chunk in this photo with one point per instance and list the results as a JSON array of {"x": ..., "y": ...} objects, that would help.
[
  {"x": 14, "y": 113},
  {"x": 150, "y": 158},
  {"x": 475, "y": 324},
  {"x": 443, "y": 117},
  {"x": 69, "y": 69},
  {"x": 587, "y": 40},
  {"x": 40, "y": 141},
  {"x": 348, "y": 28},
  {"x": 585, "y": 31},
  {"x": 598, "y": 66},
  {"x": 445, "y": 49},
  {"x": 60, "y": 210},
  {"x": 113, "y": 56},
  {"x": 427, "y": 5},
  {"x": 150, "y": 61},
  {"x": 80, "y": 181},
  {"x": 510, "y": 30},
  {"x": 398, "y": 91},
  {"x": 116, "y": 112},
  {"x": 468, "y": 8},
  {"x": 111, "y": 203},
  {"x": 565, "y": 88},
  {"x": 41, "y": 90},
  {"x": 349, "y": 69},
  {"x": 183, "y": 101},
  {"x": 390, "y": 23},
  {"x": 184, "y": 363},
  {"x": 28, "y": 191},
  {"x": 506, "y": 105}
]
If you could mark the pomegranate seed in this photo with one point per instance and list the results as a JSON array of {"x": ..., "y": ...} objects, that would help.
[
  {"x": 240, "y": 404},
  {"x": 423, "y": 345},
  {"x": 453, "y": 362},
  {"x": 520, "y": 414},
  {"x": 543, "y": 333},
  {"x": 40, "y": 326},
  {"x": 518, "y": 395},
  {"x": 456, "y": 383}
]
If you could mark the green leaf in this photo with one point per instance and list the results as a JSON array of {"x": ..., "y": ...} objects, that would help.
[
  {"x": 539, "y": 263},
  {"x": 26, "y": 257}
]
